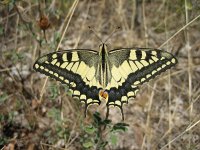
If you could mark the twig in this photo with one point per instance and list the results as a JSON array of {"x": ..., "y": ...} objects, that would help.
[
  {"x": 66, "y": 27},
  {"x": 188, "y": 48},
  {"x": 24, "y": 21},
  {"x": 179, "y": 31},
  {"x": 188, "y": 129}
]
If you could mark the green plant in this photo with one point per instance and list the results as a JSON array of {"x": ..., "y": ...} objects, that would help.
[
  {"x": 60, "y": 131},
  {"x": 101, "y": 133},
  {"x": 3, "y": 97},
  {"x": 3, "y": 141},
  {"x": 54, "y": 91}
]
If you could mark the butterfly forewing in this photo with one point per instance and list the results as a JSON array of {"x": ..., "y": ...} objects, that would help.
[
  {"x": 77, "y": 69},
  {"x": 132, "y": 67}
]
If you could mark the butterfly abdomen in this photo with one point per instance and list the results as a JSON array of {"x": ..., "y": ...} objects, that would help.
[{"x": 103, "y": 58}]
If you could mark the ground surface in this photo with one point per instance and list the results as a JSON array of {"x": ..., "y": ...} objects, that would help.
[{"x": 165, "y": 113}]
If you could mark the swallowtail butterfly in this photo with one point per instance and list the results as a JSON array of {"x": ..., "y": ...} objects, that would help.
[{"x": 113, "y": 75}]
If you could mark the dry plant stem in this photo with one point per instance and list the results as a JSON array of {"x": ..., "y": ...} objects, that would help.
[
  {"x": 83, "y": 24},
  {"x": 169, "y": 80},
  {"x": 66, "y": 27},
  {"x": 6, "y": 24},
  {"x": 24, "y": 21},
  {"x": 5, "y": 69},
  {"x": 100, "y": 135},
  {"x": 148, "y": 120},
  {"x": 168, "y": 132},
  {"x": 173, "y": 115},
  {"x": 177, "y": 72},
  {"x": 42, "y": 147},
  {"x": 63, "y": 34},
  {"x": 3, "y": 148},
  {"x": 75, "y": 4},
  {"x": 32, "y": 61},
  {"x": 188, "y": 129},
  {"x": 8, "y": 72},
  {"x": 144, "y": 23},
  {"x": 51, "y": 146},
  {"x": 68, "y": 145},
  {"x": 69, "y": 141},
  {"x": 133, "y": 16},
  {"x": 188, "y": 48},
  {"x": 68, "y": 104},
  {"x": 196, "y": 99},
  {"x": 45, "y": 37},
  {"x": 151, "y": 98},
  {"x": 16, "y": 31},
  {"x": 39, "y": 7},
  {"x": 181, "y": 29},
  {"x": 99, "y": 17},
  {"x": 121, "y": 14}
]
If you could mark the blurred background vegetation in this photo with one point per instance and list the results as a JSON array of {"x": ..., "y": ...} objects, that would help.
[{"x": 36, "y": 113}]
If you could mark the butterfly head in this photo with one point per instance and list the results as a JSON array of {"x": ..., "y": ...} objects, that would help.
[{"x": 103, "y": 48}]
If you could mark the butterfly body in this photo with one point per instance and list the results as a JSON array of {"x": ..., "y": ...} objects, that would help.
[{"x": 113, "y": 75}]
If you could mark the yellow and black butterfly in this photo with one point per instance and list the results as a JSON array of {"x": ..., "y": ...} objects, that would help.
[{"x": 113, "y": 75}]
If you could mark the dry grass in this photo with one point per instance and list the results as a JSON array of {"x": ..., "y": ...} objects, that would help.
[{"x": 36, "y": 113}]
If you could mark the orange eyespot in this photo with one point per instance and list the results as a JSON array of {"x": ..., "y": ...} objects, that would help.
[{"x": 103, "y": 94}]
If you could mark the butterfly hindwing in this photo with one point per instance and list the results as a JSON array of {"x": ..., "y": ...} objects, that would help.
[
  {"x": 72, "y": 67},
  {"x": 132, "y": 67}
]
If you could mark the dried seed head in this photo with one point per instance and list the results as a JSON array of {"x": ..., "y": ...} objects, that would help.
[{"x": 44, "y": 22}]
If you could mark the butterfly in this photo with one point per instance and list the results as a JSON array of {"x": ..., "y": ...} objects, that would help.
[{"x": 112, "y": 76}]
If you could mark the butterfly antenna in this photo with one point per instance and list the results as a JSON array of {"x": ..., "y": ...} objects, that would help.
[
  {"x": 114, "y": 31},
  {"x": 95, "y": 33}
]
